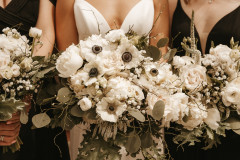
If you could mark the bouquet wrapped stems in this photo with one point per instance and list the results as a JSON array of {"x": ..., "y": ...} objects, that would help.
[{"x": 14, "y": 147}]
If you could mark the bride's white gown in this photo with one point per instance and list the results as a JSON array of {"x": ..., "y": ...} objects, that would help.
[{"x": 90, "y": 21}]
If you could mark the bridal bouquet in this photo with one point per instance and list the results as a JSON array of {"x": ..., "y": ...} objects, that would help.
[
  {"x": 114, "y": 83},
  {"x": 209, "y": 102},
  {"x": 19, "y": 75}
]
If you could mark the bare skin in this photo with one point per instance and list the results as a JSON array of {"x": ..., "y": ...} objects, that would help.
[
  {"x": 10, "y": 129},
  {"x": 214, "y": 12},
  {"x": 113, "y": 11}
]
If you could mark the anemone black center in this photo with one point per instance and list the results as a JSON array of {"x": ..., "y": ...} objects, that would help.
[
  {"x": 154, "y": 72},
  {"x": 93, "y": 72},
  {"x": 126, "y": 57},
  {"x": 111, "y": 108},
  {"x": 96, "y": 49}
]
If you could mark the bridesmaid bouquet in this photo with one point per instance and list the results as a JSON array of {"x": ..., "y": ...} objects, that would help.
[
  {"x": 114, "y": 83},
  {"x": 211, "y": 87},
  {"x": 19, "y": 74}
]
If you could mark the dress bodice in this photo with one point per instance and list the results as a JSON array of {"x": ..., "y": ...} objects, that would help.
[
  {"x": 226, "y": 28},
  {"x": 90, "y": 21}
]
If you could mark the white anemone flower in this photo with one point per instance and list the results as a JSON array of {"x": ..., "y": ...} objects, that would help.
[{"x": 110, "y": 109}]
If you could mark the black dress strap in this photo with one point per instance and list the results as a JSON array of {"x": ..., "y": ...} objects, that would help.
[{"x": 53, "y": 2}]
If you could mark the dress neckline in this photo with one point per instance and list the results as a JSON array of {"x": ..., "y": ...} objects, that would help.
[
  {"x": 215, "y": 25},
  {"x": 104, "y": 19},
  {"x": 9, "y": 5}
]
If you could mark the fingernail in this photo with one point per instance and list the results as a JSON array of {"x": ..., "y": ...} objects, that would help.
[
  {"x": 8, "y": 122},
  {"x": 14, "y": 141}
]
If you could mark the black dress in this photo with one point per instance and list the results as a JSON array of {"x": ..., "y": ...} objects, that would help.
[
  {"x": 222, "y": 32},
  {"x": 38, "y": 144}
]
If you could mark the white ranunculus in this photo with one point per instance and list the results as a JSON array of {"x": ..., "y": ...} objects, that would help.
[
  {"x": 4, "y": 60},
  {"x": 231, "y": 93},
  {"x": 85, "y": 104},
  {"x": 115, "y": 35},
  {"x": 76, "y": 81},
  {"x": 26, "y": 64},
  {"x": 35, "y": 32},
  {"x": 69, "y": 62},
  {"x": 110, "y": 109},
  {"x": 16, "y": 70},
  {"x": 193, "y": 77},
  {"x": 213, "y": 117},
  {"x": 119, "y": 88},
  {"x": 179, "y": 62}
]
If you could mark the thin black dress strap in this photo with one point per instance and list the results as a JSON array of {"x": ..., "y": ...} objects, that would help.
[{"x": 53, "y": 2}]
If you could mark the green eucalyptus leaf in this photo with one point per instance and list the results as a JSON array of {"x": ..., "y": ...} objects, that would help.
[
  {"x": 63, "y": 95},
  {"x": 170, "y": 54},
  {"x": 38, "y": 58},
  {"x": 136, "y": 114},
  {"x": 24, "y": 116},
  {"x": 67, "y": 123},
  {"x": 146, "y": 140},
  {"x": 162, "y": 42},
  {"x": 91, "y": 114},
  {"x": 77, "y": 111},
  {"x": 133, "y": 143},
  {"x": 41, "y": 120},
  {"x": 154, "y": 53},
  {"x": 42, "y": 73},
  {"x": 158, "y": 110}
]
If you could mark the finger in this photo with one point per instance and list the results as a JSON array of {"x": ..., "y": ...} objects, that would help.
[
  {"x": 7, "y": 143},
  {"x": 10, "y": 133},
  {"x": 9, "y": 127},
  {"x": 13, "y": 121}
]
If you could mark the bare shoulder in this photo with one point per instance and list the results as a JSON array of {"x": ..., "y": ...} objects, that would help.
[{"x": 172, "y": 6}]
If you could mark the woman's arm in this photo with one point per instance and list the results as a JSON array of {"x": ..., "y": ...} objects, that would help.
[
  {"x": 45, "y": 22},
  {"x": 66, "y": 31},
  {"x": 161, "y": 22}
]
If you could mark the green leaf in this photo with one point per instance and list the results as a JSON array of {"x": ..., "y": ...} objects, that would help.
[
  {"x": 146, "y": 140},
  {"x": 136, "y": 114},
  {"x": 42, "y": 73},
  {"x": 158, "y": 110},
  {"x": 67, "y": 123},
  {"x": 162, "y": 42},
  {"x": 91, "y": 114},
  {"x": 77, "y": 111},
  {"x": 154, "y": 53},
  {"x": 24, "y": 116},
  {"x": 41, "y": 120},
  {"x": 170, "y": 54},
  {"x": 64, "y": 95},
  {"x": 134, "y": 143},
  {"x": 38, "y": 58}
]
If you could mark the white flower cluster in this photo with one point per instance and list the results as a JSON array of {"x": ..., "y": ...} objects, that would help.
[
  {"x": 109, "y": 73},
  {"x": 16, "y": 64}
]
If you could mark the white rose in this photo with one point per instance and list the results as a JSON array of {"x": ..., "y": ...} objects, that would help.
[
  {"x": 222, "y": 52},
  {"x": 35, "y": 32},
  {"x": 16, "y": 70},
  {"x": 231, "y": 93},
  {"x": 197, "y": 113},
  {"x": 69, "y": 62},
  {"x": 213, "y": 117},
  {"x": 179, "y": 62},
  {"x": 4, "y": 60},
  {"x": 193, "y": 77},
  {"x": 85, "y": 104},
  {"x": 6, "y": 73},
  {"x": 26, "y": 64}
]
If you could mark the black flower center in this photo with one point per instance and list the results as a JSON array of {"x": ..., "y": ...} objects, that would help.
[
  {"x": 96, "y": 49},
  {"x": 93, "y": 72},
  {"x": 126, "y": 57},
  {"x": 111, "y": 108},
  {"x": 154, "y": 72}
]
